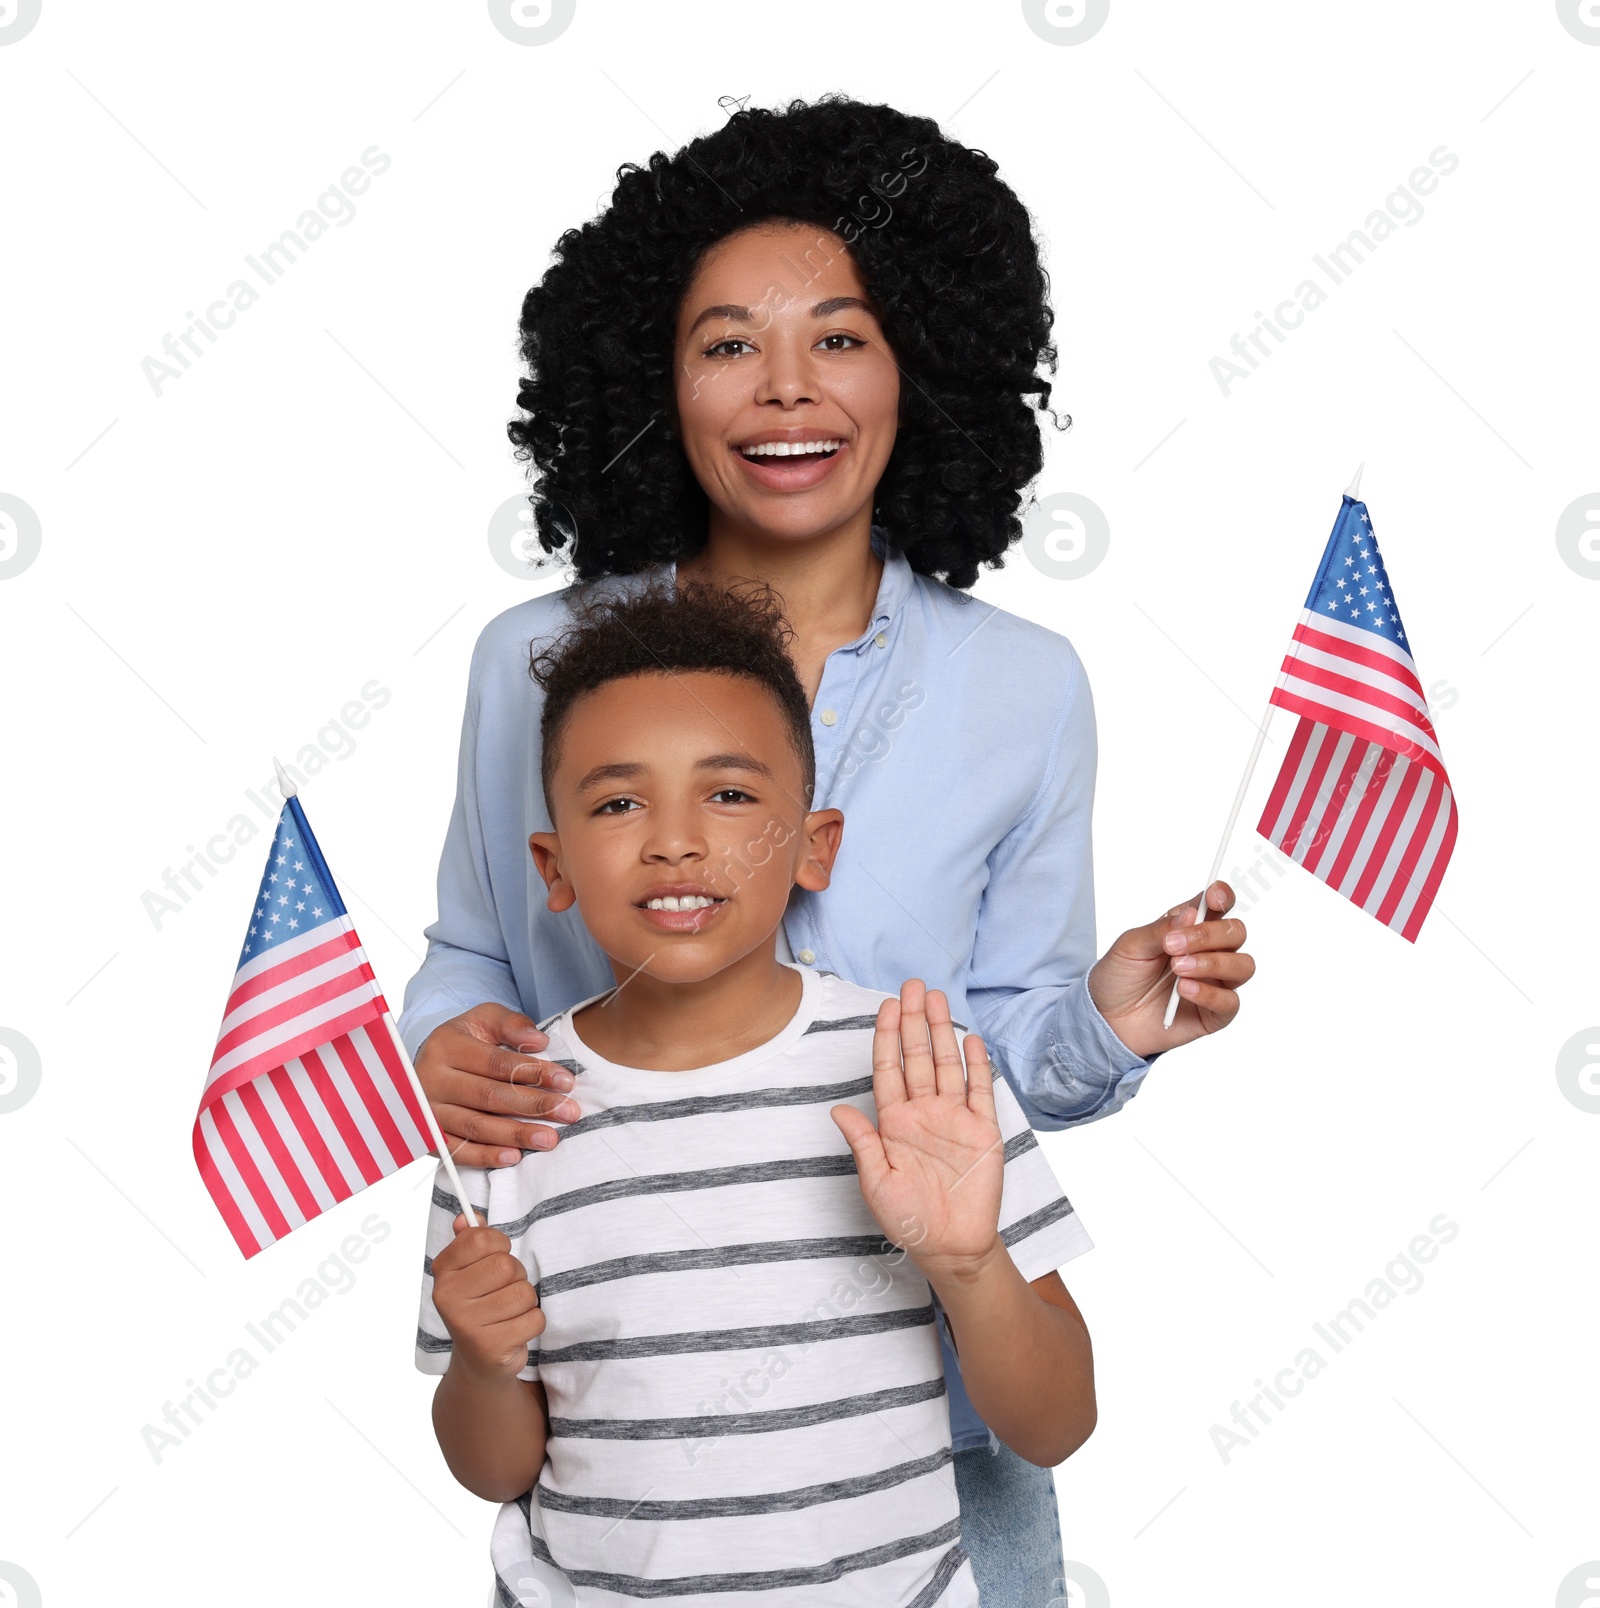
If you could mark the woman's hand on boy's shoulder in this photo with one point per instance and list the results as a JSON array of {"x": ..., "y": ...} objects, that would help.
[
  {"x": 490, "y": 1095},
  {"x": 933, "y": 1168},
  {"x": 1130, "y": 983}
]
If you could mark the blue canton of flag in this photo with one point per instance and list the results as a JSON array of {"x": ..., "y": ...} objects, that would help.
[
  {"x": 1353, "y": 586},
  {"x": 297, "y": 892}
]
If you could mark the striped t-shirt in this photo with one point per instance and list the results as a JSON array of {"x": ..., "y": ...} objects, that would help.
[{"x": 745, "y": 1384}]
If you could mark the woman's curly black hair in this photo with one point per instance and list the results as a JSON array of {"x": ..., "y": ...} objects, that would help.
[
  {"x": 737, "y": 630},
  {"x": 945, "y": 249}
]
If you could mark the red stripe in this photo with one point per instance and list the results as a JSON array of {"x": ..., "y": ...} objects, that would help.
[
  {"x": 1401, "y": 881},
  {"x": 295, "y": 966},
  {"x": 370, "y": 1171},
  {"x": 1382, "y": 703},
  {"x": 1367, "y": 657},
  {"x": 1286, "y": 774},
  {"x": 211, "y": 1176},
  {"x": 248, "y": 1171},
  {"x": 1337, "y": 804},
  {"x": 1387, "y": 834},
  {"x": 1358, "y": 820},
  {"x": 276, "y": 1052},
  {"x": 306, "y": 1126},
  {"x": 1425, "y": 899},
  {"x": 282, "y": 1157},
  {"x": 383, "y": 1042},
  {"x": 1308, "y": 793},
  {"x": 1400, "y": 744},
  {"x": 399, "y": 1150},
  {"x": 273, "y": 1017}
]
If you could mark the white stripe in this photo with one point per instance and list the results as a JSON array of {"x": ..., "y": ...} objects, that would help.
[
  {"x": 286, "y": 1032},
  {"x": 238, "y": 1191},
  {"x": 262, "y": 1157},
  {"x": 1320, "y": 659},
  {"x": 290, "y": 1134},
  {"x": 383, "y": 1081},
  {"x": 1325, "y": 789},
  {"x": 287, "y": 949},
  {"x": 357, "y": 1107},
  {"x": 1400, "y": 843},
  {"x": 351, "y": 960},
  {"x": 1361, "y": 639},
  {"x": 1326, "y": 698},
  {"x": 326, "y": 1126},
  {"x": 1359, "y": 783},
  {"x": 1297, "y": 786},
  {"x": 1375, "y": 821},
  {"x": 1424, "y": 866}
]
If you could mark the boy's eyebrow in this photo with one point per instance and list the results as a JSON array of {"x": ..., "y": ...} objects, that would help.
[
  {"x": 623, "y": 770},
  {"x": 618, "y": 771},
  {"x": 734, "y": 313},
  {"x": 735, "y": 761}
]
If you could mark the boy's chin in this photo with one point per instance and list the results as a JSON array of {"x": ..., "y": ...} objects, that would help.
[{"x": 683, "y": 961}]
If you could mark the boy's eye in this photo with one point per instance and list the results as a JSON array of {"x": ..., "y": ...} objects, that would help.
[
  {"x": 617, "y": 806},
  {"x": 730, "y": 795}
]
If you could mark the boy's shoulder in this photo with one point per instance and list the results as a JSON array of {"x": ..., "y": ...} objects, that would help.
[{"x": 842, "y": 1004}]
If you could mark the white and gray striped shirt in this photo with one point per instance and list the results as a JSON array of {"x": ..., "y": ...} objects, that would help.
[{"x": 746, "y": 1392}]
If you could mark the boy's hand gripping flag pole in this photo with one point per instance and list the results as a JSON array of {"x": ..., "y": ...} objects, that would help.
[
  {"x": 1362, "y": 799},
  {"x": 311, "y": 1095}
]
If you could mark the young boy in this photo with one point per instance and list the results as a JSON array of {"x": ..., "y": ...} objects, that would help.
[{"x": 692, "y": 1349}]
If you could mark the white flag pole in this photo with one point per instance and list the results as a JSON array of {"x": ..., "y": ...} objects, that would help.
[
  {"x": 287, "y": 787},
  {"x": 1238, "y": 802}
]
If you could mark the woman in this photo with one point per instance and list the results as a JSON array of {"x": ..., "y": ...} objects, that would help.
[{"x": 802, "y": 349}]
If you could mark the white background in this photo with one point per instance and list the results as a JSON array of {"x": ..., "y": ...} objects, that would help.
[{"x": 226, "y": 565}]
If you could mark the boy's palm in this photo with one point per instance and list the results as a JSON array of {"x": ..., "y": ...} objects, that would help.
[{"x": 932, "y": 1169}]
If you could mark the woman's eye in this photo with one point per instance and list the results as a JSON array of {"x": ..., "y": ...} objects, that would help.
[
  {"x": 716, "y": 351},
  {"x": 826, "y": 338}
]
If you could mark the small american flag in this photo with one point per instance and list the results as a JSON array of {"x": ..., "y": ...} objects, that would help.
[
  {"x": 1362, "y": 800},
  {"x": 308, "y": 1098}
]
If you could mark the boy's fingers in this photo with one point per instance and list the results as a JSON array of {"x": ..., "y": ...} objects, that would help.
[
  {"x": 916, "y": 1051},
  {"x": 866, "y": 1145},
  {"x": 947, "y": 1074},
  {"x": 888, "y": 1083},
  {"x": 471, "y": 1245},
  {"x": 980, "y": 1078}
]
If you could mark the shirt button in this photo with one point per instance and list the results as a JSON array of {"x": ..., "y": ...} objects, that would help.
[
  {"x": 829, "y": 716},
  {"x": 881, "y": 640},
  {"x": 806, "y": 956}
]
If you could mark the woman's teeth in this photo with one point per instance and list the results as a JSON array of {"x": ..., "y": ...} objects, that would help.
[
  {"x": 688, "y": 901},
  {"x": 790, "y": 449}
]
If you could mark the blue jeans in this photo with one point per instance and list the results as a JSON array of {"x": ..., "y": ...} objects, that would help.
[{"x": 1010, "y": 1528}]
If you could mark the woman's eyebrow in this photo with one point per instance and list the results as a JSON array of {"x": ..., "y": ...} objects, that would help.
[{"x": 734, "y": 313}]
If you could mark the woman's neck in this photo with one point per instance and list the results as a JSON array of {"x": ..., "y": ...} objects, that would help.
[{"x": 828, "y": 583}]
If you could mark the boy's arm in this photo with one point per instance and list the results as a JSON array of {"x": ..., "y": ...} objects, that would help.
[
  {"x": 1025, "y": 1356},
  {"x": 491, "y": 1426}
]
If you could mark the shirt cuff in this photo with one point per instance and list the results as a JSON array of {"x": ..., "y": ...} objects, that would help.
[{"x": 1089, "y": 1072}]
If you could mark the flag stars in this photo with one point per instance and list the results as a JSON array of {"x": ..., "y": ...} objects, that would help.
[
  {"x": 1363, "y": 591},
  {"x": 283, "y": 899},
  {"x": 293, "y": 923},
  {"x": 317, "y": 913},
  {"x": 300, "y": 904},
  {"x": 1332, "y": 604},
  {"x": 275, "y": 920}
]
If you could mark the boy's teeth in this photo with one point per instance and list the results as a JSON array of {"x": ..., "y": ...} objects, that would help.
[
  {"x": 688, "y": 901},
  {"x": 789, "y": 449}
]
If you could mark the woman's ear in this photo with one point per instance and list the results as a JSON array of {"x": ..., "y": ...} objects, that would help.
[
  {"x": 819, "y": 846},
  {"x": 546, "y": 848}
]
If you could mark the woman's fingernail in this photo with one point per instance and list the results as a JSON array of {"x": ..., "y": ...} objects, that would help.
[
  {"x": 1184, "y": 963},
  {"x": 507, "y": 1157},
  {"x": 1175, "y": 941},
  {"x": 561, "y": 1079},
  {"x": 1189, "y": 986}
]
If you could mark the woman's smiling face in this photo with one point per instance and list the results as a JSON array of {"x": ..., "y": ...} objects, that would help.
[{"x": 778, "y": 343}]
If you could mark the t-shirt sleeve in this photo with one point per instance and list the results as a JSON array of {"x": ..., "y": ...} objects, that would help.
[
  {"x": 495, "y": 1194},
  {"x": 1037, "y": 1221}
]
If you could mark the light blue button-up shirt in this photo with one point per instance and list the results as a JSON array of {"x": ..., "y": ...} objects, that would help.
[{"x": 959, "y": 742}]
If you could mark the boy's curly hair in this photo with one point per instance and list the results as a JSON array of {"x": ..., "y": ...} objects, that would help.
[
  {"x": 945, "y": 249},
  {"x": 737, "y": 630}
]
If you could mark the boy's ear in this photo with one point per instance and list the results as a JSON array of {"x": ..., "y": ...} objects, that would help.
[
  {"x": 546, "y": 847},
  {"x": 819, "y": 846}
]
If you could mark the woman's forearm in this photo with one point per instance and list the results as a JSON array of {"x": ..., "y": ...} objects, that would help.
[
  {"x": 492, "y": 1432},
  {"x": 1026, "y": 1364}
]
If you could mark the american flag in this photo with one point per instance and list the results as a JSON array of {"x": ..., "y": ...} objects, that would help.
[
  {"x": 1362, "y": 800},
  {"x": 308, "y": 1099}
]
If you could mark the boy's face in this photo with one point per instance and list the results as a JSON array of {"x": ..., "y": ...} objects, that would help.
[{"x": 681, "y": 788}]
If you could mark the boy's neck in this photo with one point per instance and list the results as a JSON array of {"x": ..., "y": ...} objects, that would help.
[{"x": 680, "y": 1027}]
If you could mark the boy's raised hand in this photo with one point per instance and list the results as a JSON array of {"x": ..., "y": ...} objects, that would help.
[
  {"x": 932, "y": 1169},
  {"x": 481, "y": 1291}
]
